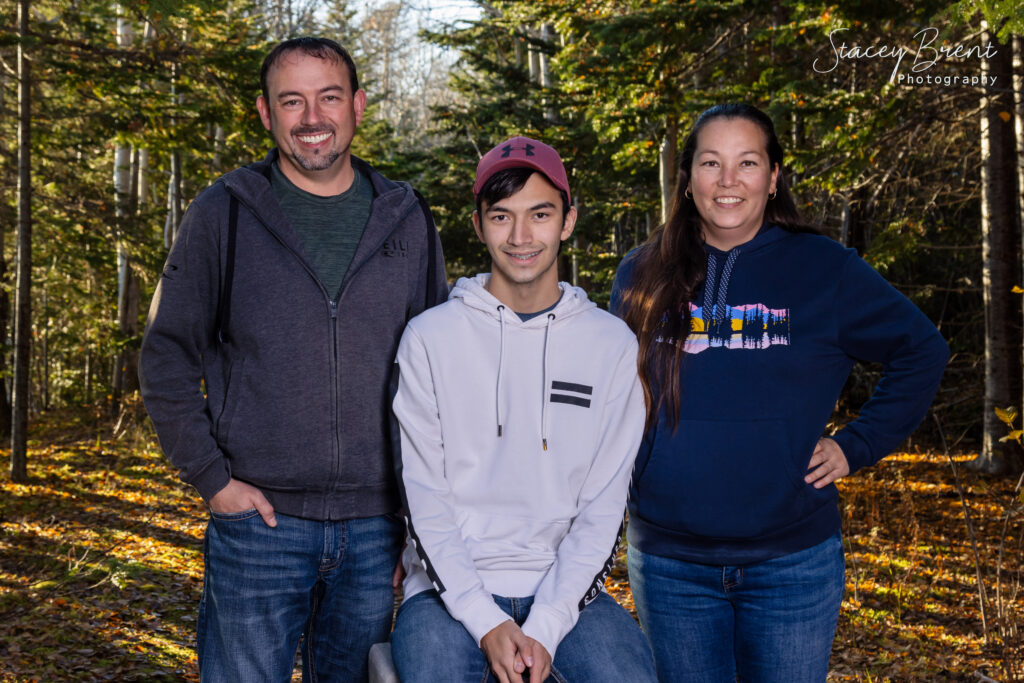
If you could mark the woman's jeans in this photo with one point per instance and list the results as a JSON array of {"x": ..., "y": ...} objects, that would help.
[
  {"x": 428, "y": 645},
  {"x": 327, "y": 584},
  {"x": 772, "y": 621}
]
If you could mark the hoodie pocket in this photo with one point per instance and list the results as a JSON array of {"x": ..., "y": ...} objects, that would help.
[
  {"x": 505, "y": 542},
  {"x": 721, "y": 479},
  {"x": 232, "y": 395}
]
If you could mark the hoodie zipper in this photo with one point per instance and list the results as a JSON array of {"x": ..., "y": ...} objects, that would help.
[
  {"x": 332, "y": 304},
  {"x": 332, "y": 308}
]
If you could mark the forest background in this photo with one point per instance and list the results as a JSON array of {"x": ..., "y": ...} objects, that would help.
[{"x": 904, "y": 129}]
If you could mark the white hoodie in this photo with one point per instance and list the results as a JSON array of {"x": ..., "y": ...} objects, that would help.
[{"x": 517, "y": 444}]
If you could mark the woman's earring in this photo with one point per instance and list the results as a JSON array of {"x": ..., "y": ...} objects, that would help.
[
  {"x": 772, "y": 194},
  {"x": 687, "y": 193}
]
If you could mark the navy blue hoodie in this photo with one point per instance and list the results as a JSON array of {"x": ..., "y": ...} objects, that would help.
[{"x": 776, "y": 330}]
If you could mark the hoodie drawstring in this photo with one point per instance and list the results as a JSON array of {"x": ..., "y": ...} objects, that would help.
[
  {"x": 501, "y": 364},
  {"x": 715, "y": 308},
  {"x": 709, "y": 293},
  {"x": 544, "y": 388}
]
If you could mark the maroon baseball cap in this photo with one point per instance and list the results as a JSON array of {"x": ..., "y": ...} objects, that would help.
[{"x": 520, "y": 152}]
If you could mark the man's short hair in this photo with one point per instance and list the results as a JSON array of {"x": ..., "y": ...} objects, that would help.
[
  {"x": 321, "y": 48},
  {"x": 507, "y": 182}
]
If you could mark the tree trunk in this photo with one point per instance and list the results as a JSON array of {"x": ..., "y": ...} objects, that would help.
[
  {"x": 23, "y": 302},
  {"x": 667, "y": 166},
  {"x": 8, "y": 216},
  {"x": 1017, "y": 43},
  {"x": 548, "y": 35},
  {"x": 1000, "y": 263},
  {"x": 126, "y": 371}
]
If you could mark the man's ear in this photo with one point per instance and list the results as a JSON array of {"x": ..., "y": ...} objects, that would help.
[
  {"x": 359, "y": 105},
  {"x": 263, "y": 107},
  {"x": 476, "y": 225},
  {"x": 569, "y": 224}
]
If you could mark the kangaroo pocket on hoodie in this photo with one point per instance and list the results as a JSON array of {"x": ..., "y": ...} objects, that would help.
[
  {"x": 706, "y": 478},
  {"x": 256, "y": 432}
]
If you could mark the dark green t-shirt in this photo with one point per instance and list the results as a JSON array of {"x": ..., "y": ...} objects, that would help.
[{"x": 329, "y": 228}]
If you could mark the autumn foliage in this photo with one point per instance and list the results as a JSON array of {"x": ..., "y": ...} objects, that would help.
[{"x": 101, "y": 566}]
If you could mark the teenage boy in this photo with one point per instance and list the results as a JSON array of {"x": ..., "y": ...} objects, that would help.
[
  {"x": 520, "y": 415},
  {"x": 265, "y": 368}
]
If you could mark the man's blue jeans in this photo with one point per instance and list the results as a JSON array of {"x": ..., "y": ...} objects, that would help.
[
  {"x": 428, "y": 645},
  {"x": 327, "y": 584},
  {"x": 772, "y": 621}
]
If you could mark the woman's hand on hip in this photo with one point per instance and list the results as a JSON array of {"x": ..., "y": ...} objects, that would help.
[{"x": 827, "y": 464}]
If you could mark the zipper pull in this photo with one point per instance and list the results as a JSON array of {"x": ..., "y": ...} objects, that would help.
[{"x": 334, "y": 309}]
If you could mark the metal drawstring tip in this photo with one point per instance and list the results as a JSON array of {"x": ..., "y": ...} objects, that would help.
[
  {"x": 545, "y": 441},
  {"x": 499, "y": 431}
]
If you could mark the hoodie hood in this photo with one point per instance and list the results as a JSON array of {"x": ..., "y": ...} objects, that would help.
[
  {"x": 393, "y": 203},
  {"x": 473, "y": 292}
]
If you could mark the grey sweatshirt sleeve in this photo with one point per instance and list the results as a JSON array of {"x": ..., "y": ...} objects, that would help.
[{"x": 177, "y": 345}]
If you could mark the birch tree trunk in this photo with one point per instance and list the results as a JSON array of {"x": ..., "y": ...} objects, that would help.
[
  {"x": 667, "y": 166},
  {"x": 1000, "y": 261},
  {"x": 126, "y": 368}
]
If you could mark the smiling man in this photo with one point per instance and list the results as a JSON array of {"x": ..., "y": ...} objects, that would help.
[
  {"x": 520, "y": 414},
  {"x": 265, "y": 367}
]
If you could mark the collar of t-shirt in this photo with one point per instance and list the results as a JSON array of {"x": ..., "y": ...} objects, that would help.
[
  {"x": 329, "y": 228},
  {"x": 528, "y": 316}
]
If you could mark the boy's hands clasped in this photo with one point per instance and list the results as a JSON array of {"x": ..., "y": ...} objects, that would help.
[{"x": 510, "y": 652}]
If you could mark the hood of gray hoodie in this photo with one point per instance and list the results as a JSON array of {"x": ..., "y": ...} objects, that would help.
[
  {"x": 472, "y": 291},
  {"x": 392, "y": 202}
]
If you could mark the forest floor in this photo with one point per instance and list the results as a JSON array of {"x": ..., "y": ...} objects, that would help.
[{"x": 101, "y": 566}]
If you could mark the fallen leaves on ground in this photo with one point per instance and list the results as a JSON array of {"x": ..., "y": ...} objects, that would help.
[
  {"x": 911, "y": 610},
  {"x": 101, "y": 567}
]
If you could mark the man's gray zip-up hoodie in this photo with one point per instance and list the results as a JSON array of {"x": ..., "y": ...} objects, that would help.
[{"x": 293, "y": 399}]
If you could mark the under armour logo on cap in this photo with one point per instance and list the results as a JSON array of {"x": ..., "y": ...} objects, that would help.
[
  {"x": 520, "y": 152},
  {"x": 507, "y": 150}
]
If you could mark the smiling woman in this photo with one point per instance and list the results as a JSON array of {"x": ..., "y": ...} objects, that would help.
[
  {"x": 731, "y": 181},
  {"x": 749, "y": 324}
]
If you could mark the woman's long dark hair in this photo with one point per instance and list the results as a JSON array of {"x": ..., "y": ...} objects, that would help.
[{"x": 672, "y": 265}]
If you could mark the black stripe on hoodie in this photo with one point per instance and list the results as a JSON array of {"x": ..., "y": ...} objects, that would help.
[
  {"x": 578, "y": 396},
  {"x": 597, "y": 584}
]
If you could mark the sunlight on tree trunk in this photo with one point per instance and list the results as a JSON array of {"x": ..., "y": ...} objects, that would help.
[
  {"x": 125, "y": 380},
  {"x": 667, "y": 165}
]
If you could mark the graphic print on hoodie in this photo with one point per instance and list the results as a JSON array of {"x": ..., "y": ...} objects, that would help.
[{"x": 717, "y": 324}]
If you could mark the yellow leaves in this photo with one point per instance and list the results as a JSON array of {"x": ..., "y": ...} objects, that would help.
[
  {"x": 1014, "y": 435},
  {"x": 1017, "y": 289},
  {"x": 1007, "y": 414},
  {"x": 1005, "y": 116}
]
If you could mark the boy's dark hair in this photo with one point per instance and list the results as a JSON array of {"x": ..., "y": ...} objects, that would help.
[
  {"x": 321, "y": 48},
  {"x": 506, "y": 183}
]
